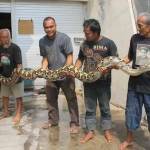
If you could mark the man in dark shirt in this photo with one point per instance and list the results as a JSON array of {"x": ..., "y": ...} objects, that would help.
[
  {"x": 10, "y": 58},
  {"x": 138, "y": 87},
  {"x": 93, "y": 49},
  {"x": 57, "y": 51}
]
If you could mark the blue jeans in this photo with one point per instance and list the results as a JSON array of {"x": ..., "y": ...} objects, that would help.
[
  {"x": 135, "y": 102},
  {"x": 94, "y": 92}
]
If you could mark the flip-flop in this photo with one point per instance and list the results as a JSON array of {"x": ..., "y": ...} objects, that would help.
[
  {"x": 46, "y": 125},
  {"x": 125, "y": 144},
  {"x": 109, "y": 138},
  {"x": 87, "y": 137},
  {"x": 74, "y": 129}
]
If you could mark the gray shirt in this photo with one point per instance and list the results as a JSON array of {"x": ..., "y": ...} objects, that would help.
[{"x": 56, "y": 49}]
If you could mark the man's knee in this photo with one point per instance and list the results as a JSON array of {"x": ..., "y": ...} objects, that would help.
[
  {"x": 105, "y": 111},
  {"x": 19, "y": 98},
  {"x": 71, "y": 95}
]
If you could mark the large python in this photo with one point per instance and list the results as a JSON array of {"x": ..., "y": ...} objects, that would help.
[
  {"x": 111, "y": 61},
  {"x": 58, "y": 74},
  {"x": 51, "y": 75}
]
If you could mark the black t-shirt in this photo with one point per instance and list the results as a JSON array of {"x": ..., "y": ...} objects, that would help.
[
  {"x": 9, "y": 58},
  {"x": 91, "y": 53},
  {"x": 139, "y": 53}
]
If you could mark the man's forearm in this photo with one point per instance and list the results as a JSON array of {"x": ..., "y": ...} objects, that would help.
[
  {"x": 126, "y": 60},
  {"x": 69, "y": 60},
  {"x": 44, "y": 63},
  {"x": 78, "y": 63}
]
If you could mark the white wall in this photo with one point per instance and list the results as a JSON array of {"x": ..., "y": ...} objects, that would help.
[
  {"x": 92, "y": 9},
  {"x": 116, "y": 22}
]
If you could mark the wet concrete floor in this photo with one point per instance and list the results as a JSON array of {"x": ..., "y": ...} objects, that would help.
[{"x": 29, "y": 135}]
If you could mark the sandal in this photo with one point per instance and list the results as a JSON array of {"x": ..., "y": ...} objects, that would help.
[
  {"x": 87, "y": 137},
  {"x": 74, "y": 129},
  {"x": 47, "y": 125},
  {"x": 125, "y": 144}
]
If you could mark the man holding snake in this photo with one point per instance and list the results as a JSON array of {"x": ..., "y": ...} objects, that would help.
[
  {"x": 57, "y": 51},
  {"x": 138, "y": 87},
  {"x": 10, "y": 58},
  {"x": 93, "y": 49}
]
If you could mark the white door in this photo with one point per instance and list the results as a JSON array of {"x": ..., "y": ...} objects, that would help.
[{"x": 5, "y": 6}]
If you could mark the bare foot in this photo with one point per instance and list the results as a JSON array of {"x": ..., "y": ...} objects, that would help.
[
  {"x": 108, "y": 136},
  {"x": 16, "y": 119},
  {"x": 74, "y": 129},
  {"x": 125, "y": 144},
  {"x": 5, "y": 115},
  {"x": 87, "y": 137}
]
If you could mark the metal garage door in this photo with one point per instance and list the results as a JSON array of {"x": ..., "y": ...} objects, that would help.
[
  {"x": 5, "y": 6},
  {"x": 69, "y": 17}
]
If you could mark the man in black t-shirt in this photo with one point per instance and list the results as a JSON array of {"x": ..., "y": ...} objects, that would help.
[
  {"x": 93, "y": 49},
  {"x": 10, "y": 58},
  {"x": 138, "y": 87}
]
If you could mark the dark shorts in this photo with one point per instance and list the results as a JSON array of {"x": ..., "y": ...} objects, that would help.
[{"x": 135, "y": 102}]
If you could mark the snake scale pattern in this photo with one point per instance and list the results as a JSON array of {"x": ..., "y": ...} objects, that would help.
[
  {"x": 51, "y": 75},
  {"x": 58, "y": 74},
  {"x": 108, "y": 62}
]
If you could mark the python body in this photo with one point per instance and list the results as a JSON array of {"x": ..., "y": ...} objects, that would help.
[
  {"x": 54, "y": 75},
  {"x": 51, "y": 75},
  {"x": 108, "y": 62}
]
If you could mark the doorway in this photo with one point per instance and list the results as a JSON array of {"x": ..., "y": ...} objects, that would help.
[{"x": 5, "y": 21}]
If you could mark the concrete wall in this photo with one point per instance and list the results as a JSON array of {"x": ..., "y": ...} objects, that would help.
[
  {"x": 141, "y": 6},
  {"x": 92, "y": 9},
  {"x": 116, "y": 22}
]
